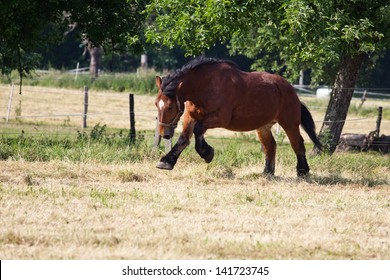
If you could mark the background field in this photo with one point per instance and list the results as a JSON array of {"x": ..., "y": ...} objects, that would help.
[{"x": 68, "y": 193}]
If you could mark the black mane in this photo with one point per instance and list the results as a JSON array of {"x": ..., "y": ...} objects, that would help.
[{"x": 170, "y": 82}]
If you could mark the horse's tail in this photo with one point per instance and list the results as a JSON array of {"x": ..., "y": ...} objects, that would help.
[{"x": 308, "y": 125}]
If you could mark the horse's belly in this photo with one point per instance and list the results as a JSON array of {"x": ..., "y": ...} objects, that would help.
[
  {"x": 254, "y": 111},
  {"x": 248, "y": 124}
]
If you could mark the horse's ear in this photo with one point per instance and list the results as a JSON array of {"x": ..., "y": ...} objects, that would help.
[
  {"x": 158, "y": 82},
  {"x": 179, "y": 86}
]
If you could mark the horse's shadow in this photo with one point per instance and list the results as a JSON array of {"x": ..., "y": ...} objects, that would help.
[
  {"x": 332, "y": 180},
  {"x": 336, "y": 179}
]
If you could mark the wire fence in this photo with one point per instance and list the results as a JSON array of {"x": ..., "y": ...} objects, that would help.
[
  {"x": 68, "y": 106},
  {"x": 372, "y": 93},
  {"x": 60, "y": 111}
]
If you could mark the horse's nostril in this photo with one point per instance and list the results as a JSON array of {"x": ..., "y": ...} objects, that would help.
[{"x": 167, "y": 137}]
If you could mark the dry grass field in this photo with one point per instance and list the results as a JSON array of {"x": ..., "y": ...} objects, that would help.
[
  {"x": 94, "y": 209},
  {"x": 64, "y": 210}
]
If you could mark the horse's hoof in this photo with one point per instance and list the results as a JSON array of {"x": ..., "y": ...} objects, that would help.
[
  {"x": 268, "y": 174},
  {"x": 164, "y": 165},
  {"x": 209, "y": 157},
  {"x": 302, "y": 173},
  {"x": 268, "y": 171}
]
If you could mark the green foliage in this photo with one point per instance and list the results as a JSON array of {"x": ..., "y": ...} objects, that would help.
[
  {"x": 98, "y": 132},
  {"x": 283, "y": 35},
  {"x": 326, "y": 140},
  {"x": 115, "y": 25},
  {"x": 27, "y": 26},
  {"x": 195, "y": 25},
  {"x": 22, "y": 32}
]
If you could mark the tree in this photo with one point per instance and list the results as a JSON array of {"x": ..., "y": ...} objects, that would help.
[
  {"x": 22, "y": 30},
  {"x": 330, "y": 37},
  {"x": 115, "y": 24}
]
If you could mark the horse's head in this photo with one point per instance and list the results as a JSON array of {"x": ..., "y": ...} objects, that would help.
[{"x": 169, "y": 110}]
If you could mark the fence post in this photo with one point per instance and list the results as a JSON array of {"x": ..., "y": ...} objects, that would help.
[
  {"x": 157, "y": 137},
  {"x": 132, "y": 118},
  {"x": 77, "y": 71},
  {"x": 362, "y": 99},
  {"x": 10, "y": 101},
  {"x": 85, "y": 107},
  {"x": 378, "y": 121}
]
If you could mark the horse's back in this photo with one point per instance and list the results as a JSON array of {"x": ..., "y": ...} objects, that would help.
[
  {"x": 264, "y": 83},
  {"x": 262, "y": 98}
]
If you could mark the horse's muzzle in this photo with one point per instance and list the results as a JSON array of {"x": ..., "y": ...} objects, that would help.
[{"x": 168, "y": 132}]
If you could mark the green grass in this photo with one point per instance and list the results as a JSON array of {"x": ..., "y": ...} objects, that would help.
[
  {"x": 113, "y": 146},
  {"x": 366, "y": 110},
  {"x": 96, "y": 145},
  {"x": 118, "y": 82}
]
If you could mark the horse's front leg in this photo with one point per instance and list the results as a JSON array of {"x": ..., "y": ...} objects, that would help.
[
  {"x": 204, "y": 150},
  {"x": 169, "y": 160}
]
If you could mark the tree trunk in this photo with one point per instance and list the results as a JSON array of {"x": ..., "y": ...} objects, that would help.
[
  {"x": 339, "y": 101},
  {"x": 95, "y": 56}
]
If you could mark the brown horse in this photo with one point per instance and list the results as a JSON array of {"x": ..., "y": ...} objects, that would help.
[{"x": 215, "y": 93}]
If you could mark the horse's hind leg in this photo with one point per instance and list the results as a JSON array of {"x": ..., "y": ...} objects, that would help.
[
  {"x": 204, "y": 150},
  {"x": 269, "y": 147},
  {"x": 296, "y": 142}
]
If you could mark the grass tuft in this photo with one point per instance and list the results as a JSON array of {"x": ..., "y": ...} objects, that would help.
[
  {"x": 126, "y": 176},
  {"x": 221, "y": 171}
]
